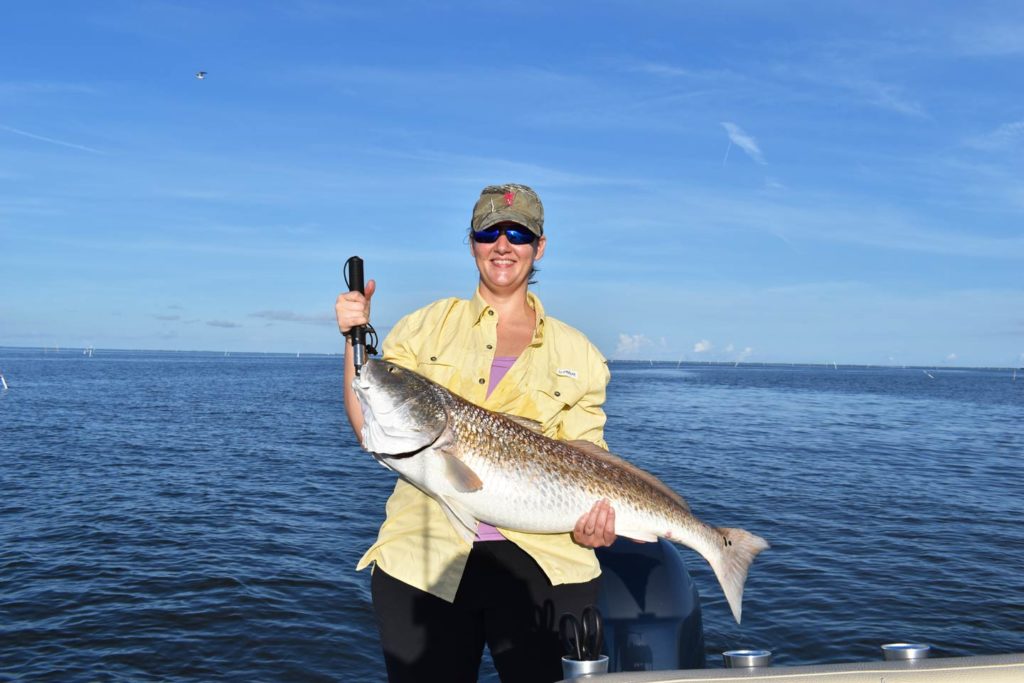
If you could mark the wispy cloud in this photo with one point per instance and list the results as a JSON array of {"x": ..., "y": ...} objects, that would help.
[
  {"x": 21, "y": 88},
  {"x": 52, "y": 141},
  {"x": 167, "y": 317},
  {"x": 1006, "y": 136},
  {"x": 848, "y": 76},
  {"x": 883, "y": 96},
  {"x": 850, "y": 219},
  {"x": 222, "y": 323},
  {"x": 293, "y": 317},
  {"x": 672, "y": 71},
  {"x": 703, "y": 346},
  {"x": 1002, "y": 39},
  {"x": 745, "y": 142}
]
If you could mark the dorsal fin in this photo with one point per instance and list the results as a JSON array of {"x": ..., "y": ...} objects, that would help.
[
  {"x": 532, "y": 425},
  {"x": 596, "y": 451}
]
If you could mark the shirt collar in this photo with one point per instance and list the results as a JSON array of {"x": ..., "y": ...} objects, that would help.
[{"x": 479, "y": 307}]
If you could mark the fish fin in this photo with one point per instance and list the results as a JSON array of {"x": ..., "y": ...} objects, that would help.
[
  {"x": 595, "y": 451},
  {"x": 382, "y": 460},
  {"x": 739, "y": 548},
  {"x": 460, "y": 475},
  {"x": 532, "y": 425},
  {"x": 645, "y": 536},
  {"x": 463, "y": 522}
]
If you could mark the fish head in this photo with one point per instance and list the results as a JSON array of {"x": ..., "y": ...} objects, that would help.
[{"x": 402, "y": 414}]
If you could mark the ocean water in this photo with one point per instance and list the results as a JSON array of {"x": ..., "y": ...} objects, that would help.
[{"x": 196, "y": 517}]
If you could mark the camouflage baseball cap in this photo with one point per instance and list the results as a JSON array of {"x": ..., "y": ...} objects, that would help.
[{"x": 509, "y": 202}]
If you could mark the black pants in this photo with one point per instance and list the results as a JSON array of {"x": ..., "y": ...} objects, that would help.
[{"x": 504, "y": 600}]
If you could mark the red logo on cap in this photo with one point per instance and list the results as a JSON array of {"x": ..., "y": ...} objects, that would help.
[{"x": 509, "y": 198}]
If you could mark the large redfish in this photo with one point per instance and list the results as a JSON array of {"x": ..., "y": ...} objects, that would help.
[{"x": 484, "y": 466}]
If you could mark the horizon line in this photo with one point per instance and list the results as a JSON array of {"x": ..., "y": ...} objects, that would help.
[{"x": 639, "y": 361}]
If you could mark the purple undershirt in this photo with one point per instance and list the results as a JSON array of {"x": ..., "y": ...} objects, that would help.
[{"x": 499, "y": 366}]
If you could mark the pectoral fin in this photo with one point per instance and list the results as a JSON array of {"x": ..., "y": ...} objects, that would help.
[
  {"x": 462, "y": 521},
  {"x": 460, "y": 475}
]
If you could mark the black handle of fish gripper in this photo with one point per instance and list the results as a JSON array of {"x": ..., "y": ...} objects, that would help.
[{"x": 354, "y": 278}]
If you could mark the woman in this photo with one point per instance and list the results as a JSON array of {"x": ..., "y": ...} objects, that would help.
[{"x": 438, "y": 600}]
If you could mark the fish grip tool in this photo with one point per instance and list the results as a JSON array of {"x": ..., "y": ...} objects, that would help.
[{"x": 360, "y": 333}]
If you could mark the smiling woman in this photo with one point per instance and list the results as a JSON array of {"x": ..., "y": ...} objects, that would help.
[{"x": 440, "y": 595}]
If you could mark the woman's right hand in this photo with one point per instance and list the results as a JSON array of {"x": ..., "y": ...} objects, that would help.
[{"x": 353, "y": 309}]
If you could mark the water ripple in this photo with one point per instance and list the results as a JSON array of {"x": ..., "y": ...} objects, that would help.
[{"x": 182, "y": 517}]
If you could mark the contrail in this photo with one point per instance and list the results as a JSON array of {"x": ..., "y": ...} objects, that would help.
[
  {"x": 739, "y": 138},
  {"x": 72, "y": 145}
]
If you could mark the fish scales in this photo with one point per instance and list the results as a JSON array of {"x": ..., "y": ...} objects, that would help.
[
  {"x": 524, "y": 457},
  {"x": 484, "y": 466}
]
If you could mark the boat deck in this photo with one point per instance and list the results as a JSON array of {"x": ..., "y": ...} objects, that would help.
[{"x": 981, "y": 669}]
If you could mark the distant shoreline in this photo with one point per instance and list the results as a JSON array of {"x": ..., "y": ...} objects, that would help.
[{"x": 79, "y": 350}]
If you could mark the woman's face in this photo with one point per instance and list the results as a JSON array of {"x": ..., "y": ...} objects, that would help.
[{"x": 504, "y": 266}]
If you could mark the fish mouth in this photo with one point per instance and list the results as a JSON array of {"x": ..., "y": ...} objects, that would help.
[{"x": 362, "y": 388}]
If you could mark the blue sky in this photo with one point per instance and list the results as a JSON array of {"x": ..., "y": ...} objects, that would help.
[{"x": 786, "y": 181}]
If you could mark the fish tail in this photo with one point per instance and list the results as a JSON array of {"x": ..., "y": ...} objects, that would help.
[{"x": 736, "y": 551}]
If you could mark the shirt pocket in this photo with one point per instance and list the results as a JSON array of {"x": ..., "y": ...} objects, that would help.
[
  {"x": 439, "y": 366},
  {"x": 554, "y": 400}
]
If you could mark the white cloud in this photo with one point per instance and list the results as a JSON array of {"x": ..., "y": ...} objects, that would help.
[
  {"x": 748, "y": 144},
  {"x": 631, "y": 343},
  {"x": 951, "y": 358},
  {"x": 731, "y": 353},
  {"x": 703, "y": 346}
]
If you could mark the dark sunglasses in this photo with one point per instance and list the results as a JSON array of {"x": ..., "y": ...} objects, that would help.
[{"x": 515, "y": 234}]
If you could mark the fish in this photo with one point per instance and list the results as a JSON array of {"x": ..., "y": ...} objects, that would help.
[{"x": 481, "y": 465}]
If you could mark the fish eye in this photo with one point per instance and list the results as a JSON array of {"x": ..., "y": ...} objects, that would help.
[{"x": 391, "y": 369}]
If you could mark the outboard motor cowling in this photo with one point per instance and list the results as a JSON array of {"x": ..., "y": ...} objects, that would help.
[{"x": 651, "y": 609}]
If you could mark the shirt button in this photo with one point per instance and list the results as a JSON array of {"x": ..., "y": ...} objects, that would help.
[
  {"x": 558, "y": 393},
  {"x": 489, "y": 347},
  {"x": 433, "y": 358},
  {"x": 481, "y": 380},
  {"x": 490, "y": 312}
]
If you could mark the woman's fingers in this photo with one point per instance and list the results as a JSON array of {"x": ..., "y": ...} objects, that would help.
[
  {"x": 353, "y": 308},
  {"x": 596, "y": 528}
]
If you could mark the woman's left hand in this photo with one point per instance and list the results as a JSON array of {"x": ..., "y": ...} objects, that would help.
[{"x": 596, "y": 529}]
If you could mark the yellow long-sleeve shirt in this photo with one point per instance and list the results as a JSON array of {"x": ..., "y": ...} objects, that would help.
[{"x": 559, "y": 381}]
